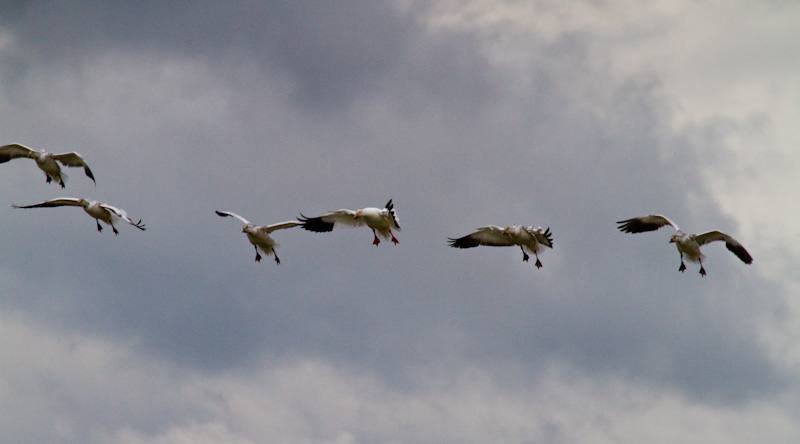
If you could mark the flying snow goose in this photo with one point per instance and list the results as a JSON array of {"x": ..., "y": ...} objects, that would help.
[
  {"x": 688, "y": 244},
  {"x": 46, "y": 161},
  {"x": 98, "y": 210},
  {"x": 381, "y": 220},
  {"x": 529, "y": 239},
  {"x": 258, "y": 235}
]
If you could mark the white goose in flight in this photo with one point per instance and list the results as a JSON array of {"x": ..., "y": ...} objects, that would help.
[
  {"x": 381, "y": 220},
  {"x": 529, "y": 239},
  {"x": 688, "y": 244},
  {"x": 46, "y": 161},
  {"x": 259, "y": 235},
  {"x": 98, "y": 210}
]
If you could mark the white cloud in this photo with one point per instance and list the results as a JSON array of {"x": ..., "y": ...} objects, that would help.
[{"x": 74, "y": 388}]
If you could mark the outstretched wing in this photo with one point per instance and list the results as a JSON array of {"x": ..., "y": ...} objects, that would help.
[
  {"x": 642, "y": 224},
  {"x": 122, "y": 214},
  {"x": 491, "y": 235},
  {"x": 282, "y": 225},
  {"x": 732, "y": 244},
  {"x": 74, "y": 159},
  {"x": 228, "y": 213},
  {"x": 13, "y": 151},
  {"x": 60, "y": 202},
  {"x": 544, "y": 237},
  {"x": 326, "y": 222}
]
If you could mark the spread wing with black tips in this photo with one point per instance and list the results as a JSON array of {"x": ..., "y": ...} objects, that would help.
[
  {"x": 231, "y": 214},
  {"x": 13, "y": 151},
  {"x": 74, "y": 160},
  {"x": 730, "y": 243},
  {"x": 643, "y": 224},
  {"x": 60, "y": 202},
  {"x": 325, "y": 223},
  {"x": 491, "y": 236}
]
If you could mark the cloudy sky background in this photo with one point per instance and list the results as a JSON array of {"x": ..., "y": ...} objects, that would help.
[{"x": 568, "y": 115}]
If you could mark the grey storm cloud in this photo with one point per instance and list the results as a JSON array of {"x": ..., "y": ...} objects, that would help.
[
  {"x": 565, "y": 162},
  {"x": 270, "y": 109},
  {"x": 326, "y": 50}
]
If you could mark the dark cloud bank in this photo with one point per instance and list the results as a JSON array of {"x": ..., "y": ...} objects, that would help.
[{"x": 373, "y": 106}]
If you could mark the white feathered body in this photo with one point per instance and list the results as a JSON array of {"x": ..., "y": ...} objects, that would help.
[
  {"x": 379, "y": 219},
  {"x": 688, "y": 246},
  {"x": 98, "y": 211},
  {"x": 48, "y": 164},
  {"x": 260, "y": 238},
  {"x": 526, "y": 238}
]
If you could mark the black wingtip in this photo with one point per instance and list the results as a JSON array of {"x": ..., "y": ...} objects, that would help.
[
  {"x": 740, "y": 252},
  {"x": 549, "y": 236},
  {"x": 464, "y": 242},
  {"x": 636, "y": 225},
  {"x": 315, "y": 224},
  {"x": 630, "y": 226},
  {"x": 139, "y": 225}
]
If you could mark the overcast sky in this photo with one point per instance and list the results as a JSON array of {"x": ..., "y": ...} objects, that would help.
[{"x": 568, "y": 115}]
